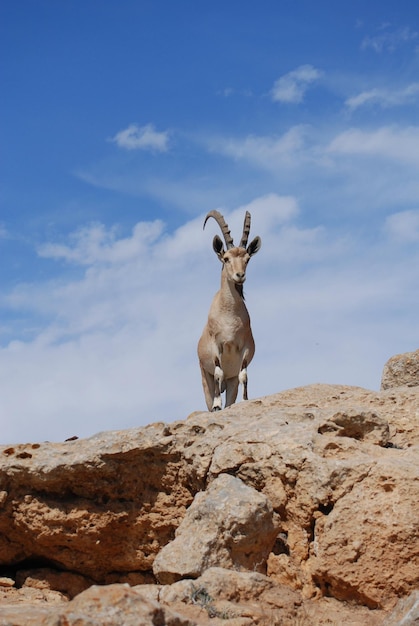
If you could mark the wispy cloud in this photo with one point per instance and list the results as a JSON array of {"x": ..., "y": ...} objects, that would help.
[
  {"x": 265, "y": 151},
  {"x": 142, "y": 138},
  {"x": 384, "y": 97},
  {"x": 389, "y": 40},
  {"x": 276, "y": 209},
  {"x": 229, "y": 92},
  {"x": 403, "y": 226},
  {"x": 96, "y": 244},
  {"x": 126, "y": 328},
  {"x": 292, "y": 87},
  {"x": 390, "y": 142}
]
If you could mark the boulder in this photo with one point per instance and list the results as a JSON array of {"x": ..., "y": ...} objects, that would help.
[
  {"x": 93, "y": 506},
  {"x": 113, "y": 605},
  {"x": 229, "y": 525},
  {"x": 315, "y": 488},
  {"x": 369, "y": 564},
  {"x": 401, "y": 370},
  {"x": 249, "y": 597},
  {"x": 68, "y": 584}
]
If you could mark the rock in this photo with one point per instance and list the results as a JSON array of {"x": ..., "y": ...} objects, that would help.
[
  {"x": 47, "y": 578},
  {"x": 113, "y": 605},
  {"x": 117, "y": 605},
  {"x": 358, "y": 423},
  {"x": 401, "y": 370},
  {"x": 233, "y": 594},
  {"x": 369, "y": 564},
  {"x": 328, "y": 473},
  {"x": 92, "y": 506},
  {"x": 29, "y": 598},
  {"x": 406, "y": 612},
  {"x": 229, "y": 525},
  {"x": 249, "y": 598}
]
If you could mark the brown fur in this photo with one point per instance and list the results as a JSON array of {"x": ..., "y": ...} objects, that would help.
[{"x": 227, "y": 345}]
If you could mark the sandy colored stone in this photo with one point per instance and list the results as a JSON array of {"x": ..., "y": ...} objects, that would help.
[
  {"x": 236, "y": 594},
  {"x": 92, "y": 506},
  {"x": 260, "y": 600},
  {"x": 401, "y": 370},
  {"x": 28, "y": 598},
  {"x": 112, "y": 605},
  {"x": 338, "y": 465},
  {"x": 379, "y": 558},
  {"x": 405, "y": 613},
  {"x": 229, "y": 525},
  {"x": 358, "y": 423},
  {"x": 47, "y": 578}
]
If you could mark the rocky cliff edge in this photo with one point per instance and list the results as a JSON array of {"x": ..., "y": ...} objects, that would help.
[{"x": 297, "y": 508}]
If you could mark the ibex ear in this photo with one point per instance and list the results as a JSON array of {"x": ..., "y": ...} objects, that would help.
[
  {"x": 217, "y": 244},
  {"x": 254, "y": 246}
]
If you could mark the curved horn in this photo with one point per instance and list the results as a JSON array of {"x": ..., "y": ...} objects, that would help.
[
  {"x": 224, "y": 227},
  {"x": 246, "y": 230}
]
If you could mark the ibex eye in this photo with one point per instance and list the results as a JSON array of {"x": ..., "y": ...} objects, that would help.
[{"x": 226, "y": 259}]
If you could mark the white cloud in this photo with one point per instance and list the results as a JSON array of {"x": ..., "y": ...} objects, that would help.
[
  {"x": 94, "y": 243},
  {"x": 142, "y": 138},
  {"x": 390, "y": 142},
  {"x": 389, "y": 40},
  {"x": 292, "y": 86},
  {"x": 265, "y": 151},
  {"x": 384, "y": 98},
  {"x": 115, "y": 346},
  {"x": 403, "y": 226},
  {"x": 275, "y": 210}
]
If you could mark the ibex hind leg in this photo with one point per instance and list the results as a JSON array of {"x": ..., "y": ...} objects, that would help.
[{"x": 208, "y": 386}]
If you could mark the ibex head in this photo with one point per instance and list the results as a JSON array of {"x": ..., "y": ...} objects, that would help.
[{"x": 234, "y": 258}]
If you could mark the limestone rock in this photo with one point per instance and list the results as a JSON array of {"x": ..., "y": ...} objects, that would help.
[
  {"x": 113, "y": 605},
  {"x": 364, "y": 425},
  {"x": 117, "y": 605},
  {"x": 406, "y": 612},
  {"x": 93, "y": 506},
  {"x": 229, "y": 525},
  {"x": 234, "y": 594},
  {"x": 334, "y": 469},
  {"x": 231, "y": 598},
  {"x": 47, "y": 578},
  {"x": 401, "y": 370},
  {"x": 368, "y": 564}
]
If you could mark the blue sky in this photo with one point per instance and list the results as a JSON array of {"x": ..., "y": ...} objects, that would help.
[{"x": 123, "y": 123}]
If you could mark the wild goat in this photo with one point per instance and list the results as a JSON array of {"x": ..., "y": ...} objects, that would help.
[{"x": 226, "y": 346}]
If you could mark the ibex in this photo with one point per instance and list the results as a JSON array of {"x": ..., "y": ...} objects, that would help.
[{"x": 226, "y": 346}]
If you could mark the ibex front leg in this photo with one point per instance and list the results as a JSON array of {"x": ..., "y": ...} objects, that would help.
[
  {"x": 218, "y": 385},
  {"x": 243, "y": 375}
]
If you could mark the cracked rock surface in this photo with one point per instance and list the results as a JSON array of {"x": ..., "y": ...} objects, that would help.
[{"x": 314, "y": 490}]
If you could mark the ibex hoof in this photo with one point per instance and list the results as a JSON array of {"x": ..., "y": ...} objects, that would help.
[{"x": 215, "y": 408}]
